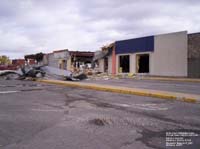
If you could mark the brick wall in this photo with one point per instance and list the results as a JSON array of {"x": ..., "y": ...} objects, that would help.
[
  {"x": 194, "y": 55},
  {"x": 18, "y": 62}
]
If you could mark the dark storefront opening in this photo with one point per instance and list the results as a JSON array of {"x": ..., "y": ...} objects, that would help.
[
  {"x": 124, "y": 63},
  {"x": 143, "y": 63},
  {"x": 63, "y": 64},
  {"x": 106, "y": 64}
]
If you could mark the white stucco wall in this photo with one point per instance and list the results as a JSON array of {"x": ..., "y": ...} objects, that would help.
[
  {"x": 101, "y": 65},
  {"x": 52, "y": 61},
  {"x": 69, "y": 63},
  {"x": 61, "y": 55},
  {"x": 170, "y": 55},
  {"x": 110, "y": 64},
  {"x": 55, "y": 59}
]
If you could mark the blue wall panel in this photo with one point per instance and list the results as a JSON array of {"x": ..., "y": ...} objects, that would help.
[{"x": 143, "y": 44}]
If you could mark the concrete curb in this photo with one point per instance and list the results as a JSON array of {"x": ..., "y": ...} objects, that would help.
[{"x": 134, "y": 91}]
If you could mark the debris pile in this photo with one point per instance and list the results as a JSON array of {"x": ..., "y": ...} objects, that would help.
[
  {"x": 33, "y": 72},
  {"x": 23, "y": 73},
  {"x": 105, "y": 76}
]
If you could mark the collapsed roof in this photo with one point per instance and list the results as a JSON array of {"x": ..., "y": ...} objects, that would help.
[{"x": 38, "y": 57}]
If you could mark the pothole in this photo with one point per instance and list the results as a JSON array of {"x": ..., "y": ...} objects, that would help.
[{"x": 99, "y": 121}]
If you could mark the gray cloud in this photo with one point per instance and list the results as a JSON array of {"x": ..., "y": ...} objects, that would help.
[{"x": 30, "y": 26}]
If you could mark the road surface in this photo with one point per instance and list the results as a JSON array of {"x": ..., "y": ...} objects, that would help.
[{"x": 43, "y": 116}]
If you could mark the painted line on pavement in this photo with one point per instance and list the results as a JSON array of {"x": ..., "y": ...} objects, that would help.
[
  {"x": 22, "y": 90},
  {"x": 8, "y": 92}
]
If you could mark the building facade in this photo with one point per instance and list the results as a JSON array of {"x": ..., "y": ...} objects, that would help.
[{"x": 159, "y": 55}]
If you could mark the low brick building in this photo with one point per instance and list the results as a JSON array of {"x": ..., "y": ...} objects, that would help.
[
  {"x": 194, "y": 55},
  {"x": 18, "y": 62}
]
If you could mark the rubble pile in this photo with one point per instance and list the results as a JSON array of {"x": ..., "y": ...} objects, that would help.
[
  {"x": 29, "y": 72},
  {"x": 34, "y": 72},
  {"x": 101, "y": 76},
  {"x": 106, "y": 76},
  {"x": 22, "y": 73}
]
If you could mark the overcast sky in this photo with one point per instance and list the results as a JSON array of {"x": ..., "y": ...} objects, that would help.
[{"x": 31, "y": 26}]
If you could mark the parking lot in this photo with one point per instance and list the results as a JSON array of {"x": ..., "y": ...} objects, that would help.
[{"x": 42, "y": 116}]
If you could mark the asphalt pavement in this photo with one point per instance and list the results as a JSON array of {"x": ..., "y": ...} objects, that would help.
[
  {"x": 172, "y": 86},
  {"x": 42, "y": 116}
]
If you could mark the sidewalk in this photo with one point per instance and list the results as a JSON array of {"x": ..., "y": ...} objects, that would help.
[
  {"x": 170, "y": 86},
  {"x": 192, "y": 98},
  {"x": 172, "y": 79}
]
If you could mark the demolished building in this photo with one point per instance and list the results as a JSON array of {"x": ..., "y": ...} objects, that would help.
[
  {"x": 60, "y": 64},
  {"x": 57, "y": 59},
  {"x": 103, "y": 59},
  {"x": 68, "y": 60},
  {"x": 34, "y": 59},
  {"x": 80, "y": 60}
]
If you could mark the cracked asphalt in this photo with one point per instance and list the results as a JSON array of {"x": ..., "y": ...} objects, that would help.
[{"x": 42, "y": 116}]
